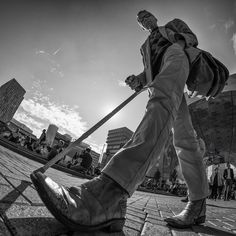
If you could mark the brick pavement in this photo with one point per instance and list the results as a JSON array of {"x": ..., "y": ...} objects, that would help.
[{"x": 23, "y": 213}]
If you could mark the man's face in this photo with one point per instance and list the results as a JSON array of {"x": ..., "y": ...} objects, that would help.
[{"x": 147, "y": 21}]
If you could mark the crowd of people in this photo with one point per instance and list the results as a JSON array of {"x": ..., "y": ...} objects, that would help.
[
  {"x": 48, "y": 152},
  {"x": 222, "y": 184},
  {"x": 174, "y": 187},
  {"x": 26, "y": 141}
]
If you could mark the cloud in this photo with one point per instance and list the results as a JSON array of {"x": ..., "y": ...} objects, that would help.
[
  {"x": 49, "y": 58},
  {"x": 30, "y": 122},
  {"x": 38, "y": 112},
  {"x": 234, "y": 42},
  {"x": 222, "y": 24},
  {"x": 58, "y": 50},
  {"x": 33, "y": 115},
  {"x": 228, "y": 24},
  {"x": 212, "y": 27},
  {"x": 121, "y": 83}
]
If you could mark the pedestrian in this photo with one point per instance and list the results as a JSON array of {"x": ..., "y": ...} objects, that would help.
[
  {"x": 42, "y": 137},
  {"x": 229, "y": 178},
  {"x": 100, "y": 203},
  {"x": 86, "y": 162},
  {"x": 216, "y": 183}
]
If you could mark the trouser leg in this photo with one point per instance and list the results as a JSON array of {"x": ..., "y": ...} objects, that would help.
[
  {"x": 129, "y": 165},
  {"x": 190, "y": 151}
]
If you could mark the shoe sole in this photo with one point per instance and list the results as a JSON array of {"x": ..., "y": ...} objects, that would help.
[
  {"x": 198, "y": 221},
  {"x": 114, "y": 225}
]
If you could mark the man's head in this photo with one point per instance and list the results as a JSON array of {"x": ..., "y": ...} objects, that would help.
[
  {"x": 88, "y": 150},
  {"x": 228, "y": 165},
  {"x": 147, "y": 20},
  {"x": 61, "y": 143}
]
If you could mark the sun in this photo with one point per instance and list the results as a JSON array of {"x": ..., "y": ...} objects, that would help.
[{"x": 108, "y": 108}]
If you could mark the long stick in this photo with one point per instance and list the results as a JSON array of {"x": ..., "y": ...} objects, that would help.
[{"x": 87, "y": 133}]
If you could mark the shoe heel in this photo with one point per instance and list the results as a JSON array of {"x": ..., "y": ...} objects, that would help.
[
  {"x": 115, "y": 226},
  {"x": 200, "y": 220}
]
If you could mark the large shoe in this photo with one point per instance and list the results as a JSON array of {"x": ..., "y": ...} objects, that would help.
[
  {"x": 193, "y": 214},
  {"x": 97, "y": 204}
]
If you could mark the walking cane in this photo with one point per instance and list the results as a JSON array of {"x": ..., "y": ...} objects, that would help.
[{"x": 87, "y": 133}]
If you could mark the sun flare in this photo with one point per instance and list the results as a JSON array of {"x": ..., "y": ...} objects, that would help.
[{"x": 108, "y": 108}]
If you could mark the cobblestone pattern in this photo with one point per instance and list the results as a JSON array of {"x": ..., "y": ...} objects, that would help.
[{"x": 23, "y": 213}]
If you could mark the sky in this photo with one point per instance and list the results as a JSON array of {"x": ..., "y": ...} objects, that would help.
[{"x": 72, "y": 56}]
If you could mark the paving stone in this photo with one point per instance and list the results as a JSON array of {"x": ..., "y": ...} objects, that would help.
[
  {"x": 157, "y": 230},
  {"x": 183, "y": 232},
  {"x": 207, "y": 230},
  {"x": 152, "y": 212},
  {"x": 130, "y": 232},
  {"x": 38, "y": 226},
  {"x": 29, "y": 192},
  {"x": 98, "y": 233},
  {"x": 134, "y": 224},
  {"x": 145, "y": 211},
  {"x": 134, "y": 218},
  {"x": 158, "y": 221},
  {"x": 10, "y": 195},
  {"x": 138, "y": 205},
  {"x": 229, "y": 219},
  {"x": 13, "y": 171},
  {"x": 3, "y": 229},
  {"x": 165, "y": 214},
  {"x": 165, "y": 209},
  {"x": 151, "y": 206},
  {"x": 136, "y": 212},
  {"x": 28, "y": 221}
]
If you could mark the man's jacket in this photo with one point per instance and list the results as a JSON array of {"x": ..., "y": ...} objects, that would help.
[{"x": 170, "y": 28}]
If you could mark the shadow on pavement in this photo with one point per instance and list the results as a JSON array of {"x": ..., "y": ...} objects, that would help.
[
  {"x": 41, "y": 226},
  {"x": 13, "y": 195},
  {"x": 212, "y": 205},
  {"x": 207, "y": 230},
  {"x": 38, "y": 226}
]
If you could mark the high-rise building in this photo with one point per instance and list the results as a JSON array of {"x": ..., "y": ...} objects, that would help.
[
  {"x": 116, "y": 139},
  {"x": 11, "y": 96}
]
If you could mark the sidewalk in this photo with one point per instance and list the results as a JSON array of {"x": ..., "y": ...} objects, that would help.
[{"x": 23, "y": 213}]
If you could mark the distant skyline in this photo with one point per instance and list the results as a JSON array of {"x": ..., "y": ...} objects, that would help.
[{"x": 73, "y": 56}]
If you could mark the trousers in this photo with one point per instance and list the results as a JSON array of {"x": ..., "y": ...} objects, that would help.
[{"x": 166, "y": 110}]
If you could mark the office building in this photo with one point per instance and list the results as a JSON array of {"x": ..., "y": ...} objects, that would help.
[
  {"x": 11, "y": 96},
  {"x": 116, "y": 139}
]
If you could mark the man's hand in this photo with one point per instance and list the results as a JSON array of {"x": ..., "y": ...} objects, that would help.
[{"x": 134, "y": 83}]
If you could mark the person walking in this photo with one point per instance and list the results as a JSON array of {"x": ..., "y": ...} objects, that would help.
[
  {"x": 229, "y": 178},
  {"x": 101, "y": 203},
  {"x": 216, "y": 181}
]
